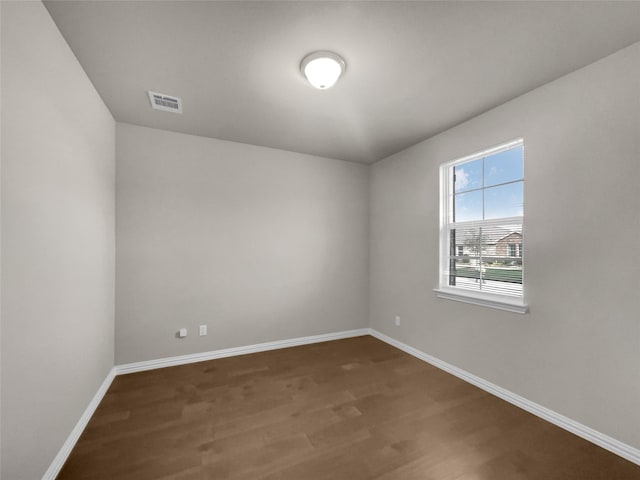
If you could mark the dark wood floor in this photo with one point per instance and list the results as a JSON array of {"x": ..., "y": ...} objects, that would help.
[{"x": 349, "y": 409}]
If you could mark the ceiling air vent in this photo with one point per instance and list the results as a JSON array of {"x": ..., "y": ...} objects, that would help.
[{"x": 160, "y": 101}]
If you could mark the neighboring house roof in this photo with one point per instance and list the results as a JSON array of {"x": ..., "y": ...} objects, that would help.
[
  {"x": 489, "y": 237},
  {"x": 512, "y": 234}
]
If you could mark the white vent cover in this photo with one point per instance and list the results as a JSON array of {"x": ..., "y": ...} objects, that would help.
[{"x": 160, "y": 101}]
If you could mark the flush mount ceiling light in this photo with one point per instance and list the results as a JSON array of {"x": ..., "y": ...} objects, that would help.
[{"x": 322, "y": 69}]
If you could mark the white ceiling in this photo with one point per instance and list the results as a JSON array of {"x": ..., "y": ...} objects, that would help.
[{"x": 414, "y": 69}]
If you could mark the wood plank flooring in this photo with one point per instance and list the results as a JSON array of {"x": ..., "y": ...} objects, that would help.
[{"x": 350, "y": 409}]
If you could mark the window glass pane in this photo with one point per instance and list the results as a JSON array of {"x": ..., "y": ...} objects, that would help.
[
  {"x": 467, "y": 206},
  {"x": 467, "y": 241},
  {"x": 501, "y": 277},
  {"x": 487, "y": 276},
  {"x": 468, "y": 176},
  {"x": 497, "y": 241},
  {"x": 503, "y": 167},
  {"x": 466, "y": 274},
  {"x": 486, "y": 264},
  {"x": 504, "y": 201}
]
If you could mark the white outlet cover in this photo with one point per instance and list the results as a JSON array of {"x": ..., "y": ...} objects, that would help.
[{"x": 203, "y": 330}]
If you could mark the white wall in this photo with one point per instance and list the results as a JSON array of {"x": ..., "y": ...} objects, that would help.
[
  {"x": 257, "y": 243},
  {"x": 58, "y": 148},
  {"x": 0, "y": 241},
  {"x": 578, "y": 351}
]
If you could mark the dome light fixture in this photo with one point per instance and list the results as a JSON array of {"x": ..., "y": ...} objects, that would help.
[{"x": 322, "y": 69}]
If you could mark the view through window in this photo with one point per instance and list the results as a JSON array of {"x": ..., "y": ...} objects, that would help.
[{"x": 482, "y": 235}]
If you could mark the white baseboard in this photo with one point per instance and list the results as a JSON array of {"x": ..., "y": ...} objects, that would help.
[
  {"x": 615, "y": 446},
  {"x": 63, "y": 454},
  {"x": 229, "y": 352}
]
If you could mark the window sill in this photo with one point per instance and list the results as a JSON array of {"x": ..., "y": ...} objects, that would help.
[{"x": 491, "y": 302}]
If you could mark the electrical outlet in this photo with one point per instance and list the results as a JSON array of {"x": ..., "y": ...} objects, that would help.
[
  {"x": 203, "y": 330},
  {"x": 182, "y": 333},
  {"x": 397, "y": 320}
]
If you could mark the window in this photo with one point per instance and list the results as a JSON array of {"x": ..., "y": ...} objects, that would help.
[{"x": 481, "y": 228}]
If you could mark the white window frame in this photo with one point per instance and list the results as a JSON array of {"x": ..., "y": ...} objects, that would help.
[{"x": 446, "y": 291}]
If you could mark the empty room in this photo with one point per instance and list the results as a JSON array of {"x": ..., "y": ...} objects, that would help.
[{"x": 313, "y": 240}]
